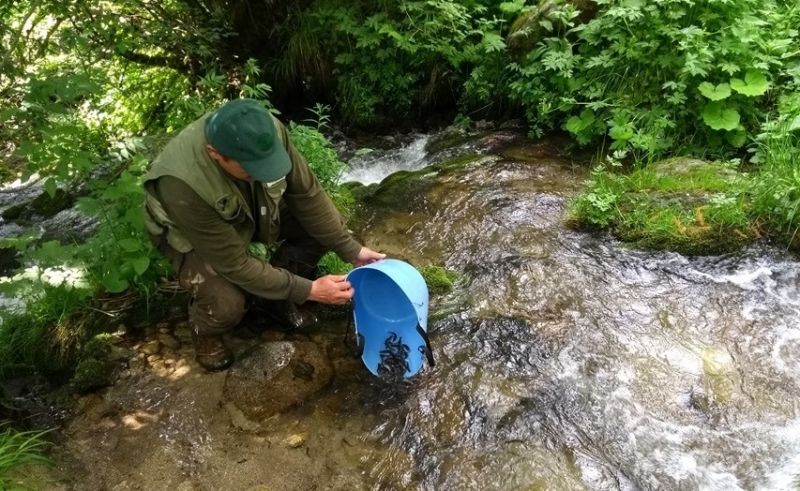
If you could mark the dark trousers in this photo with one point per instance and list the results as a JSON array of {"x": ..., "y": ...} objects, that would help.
[{"x": 218, "y": 305}]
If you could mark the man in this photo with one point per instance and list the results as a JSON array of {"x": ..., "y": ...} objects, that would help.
[{"x": 230, "y": 178}]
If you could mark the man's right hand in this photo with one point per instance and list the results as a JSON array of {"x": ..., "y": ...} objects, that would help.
[{"x": 331, "y": 289}]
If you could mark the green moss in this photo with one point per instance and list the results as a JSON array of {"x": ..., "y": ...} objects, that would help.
[
  {"x": 399, "y": 191},
  {"x": 459, "y": 162},
  {"x": 333, "y": 264},
  {"x": 92, "y": 374},
  {"x": 684, "y": 205},
  {"x": 94, "y": 369},
  {"x": 438, "y": 279}
]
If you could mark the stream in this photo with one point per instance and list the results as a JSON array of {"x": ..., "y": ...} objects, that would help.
[{"x": 565, "y": 360}]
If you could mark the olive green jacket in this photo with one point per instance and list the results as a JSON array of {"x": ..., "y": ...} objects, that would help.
[{"x": 198, "y": 207}]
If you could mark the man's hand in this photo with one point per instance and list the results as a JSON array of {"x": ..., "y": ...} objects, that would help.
[
  {"x": 366, "y": 256},
  {"x": 331, "y": 289}
]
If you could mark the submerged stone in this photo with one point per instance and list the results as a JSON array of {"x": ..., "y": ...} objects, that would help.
[
  {"x": 718, "y": 374},
  {"x": 277, "y": 376}
]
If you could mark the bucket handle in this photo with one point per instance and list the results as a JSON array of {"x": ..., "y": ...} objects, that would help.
[{"x": 427, "y": 348}]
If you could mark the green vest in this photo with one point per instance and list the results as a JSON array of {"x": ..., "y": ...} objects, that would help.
[{"x": 186, "y": 158}]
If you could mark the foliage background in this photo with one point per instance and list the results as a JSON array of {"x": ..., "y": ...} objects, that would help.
[{"x": 90, "y": 91}]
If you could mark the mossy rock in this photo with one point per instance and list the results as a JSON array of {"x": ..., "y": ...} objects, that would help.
[
  {"x": 679, "y": 204},
  {"x": 398, "y": 191},
  {"x": 460, "y": 162},
  {"x": 95, "y": 369},
  {"x": 681, "y": 224},
  {"x": 438, "y": 279},
  {"x": 450, "y": 138}
]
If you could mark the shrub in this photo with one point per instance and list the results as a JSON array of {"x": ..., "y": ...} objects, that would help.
[{"x": 656, "y": 77}]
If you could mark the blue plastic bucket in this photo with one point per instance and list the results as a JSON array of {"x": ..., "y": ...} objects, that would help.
[{"x": 390, "y": 301}]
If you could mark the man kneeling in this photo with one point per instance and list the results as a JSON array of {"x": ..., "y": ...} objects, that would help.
[{"x": 230, "y": 178}]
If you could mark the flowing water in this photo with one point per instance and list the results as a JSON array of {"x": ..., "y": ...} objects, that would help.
[
  {"x": 565, "y": 361},
  {"x": 568, "y": 360}
]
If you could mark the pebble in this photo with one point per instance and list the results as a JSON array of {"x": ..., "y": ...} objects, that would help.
[
  {"x": 169, "y": 341},
  {"x": 136, "y": 364},
  {"x": 151, "y": 347},
  {"x": 296, "y": 440}
]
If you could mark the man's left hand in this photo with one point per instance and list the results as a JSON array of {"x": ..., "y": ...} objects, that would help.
[{"x": 366, "y": 256}]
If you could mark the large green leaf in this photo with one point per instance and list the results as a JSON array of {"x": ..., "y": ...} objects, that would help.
[
  {"x": 623, "y": 133},
  {"x": 130, "y": 244},
  {"x": 719, "y": 117},
  {"x": 737, "y": 137},
  {"x": 113, "y": 283},
  {"x": 140, "y": 264},
  {"x": 715, "y": 93},
  {"x": 577, "y": 124},
  {"x": 794, "y": 124},
  {"x": 754, "y": 83},
  {"x": 51, "y": 187}
]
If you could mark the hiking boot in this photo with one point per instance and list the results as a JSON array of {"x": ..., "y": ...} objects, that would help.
[{"x": 211, "y": 352}]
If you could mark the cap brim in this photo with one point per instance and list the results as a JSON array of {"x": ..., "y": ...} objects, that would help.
[{"x": 271, "y": 168}]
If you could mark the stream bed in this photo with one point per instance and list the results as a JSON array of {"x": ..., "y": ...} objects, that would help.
[{"x": 566, "y": 360}]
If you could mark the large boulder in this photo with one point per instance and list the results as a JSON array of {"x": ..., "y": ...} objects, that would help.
[{"x": 276, "y": 376}]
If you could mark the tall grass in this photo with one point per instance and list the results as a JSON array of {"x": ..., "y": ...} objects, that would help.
[
  {"x": 776, "y": 195},
  {"x": 19, "y": 448},
  {"x": 45, "y": 334}
]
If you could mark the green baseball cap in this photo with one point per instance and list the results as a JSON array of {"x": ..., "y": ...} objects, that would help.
[{"x": 243, "y": 130}]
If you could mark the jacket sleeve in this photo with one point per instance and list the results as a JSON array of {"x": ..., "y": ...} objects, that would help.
[
  {"x": 313, "y": 208},
  {"x": 218, "y": 244}
]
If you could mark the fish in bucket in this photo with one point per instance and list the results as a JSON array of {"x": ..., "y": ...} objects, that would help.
[{"x": 390, "y": 311}]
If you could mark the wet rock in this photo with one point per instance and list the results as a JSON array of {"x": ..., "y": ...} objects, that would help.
[
  {"x": 186, "y": 486},
  {"x": 42, "y": 205},
  {"x": 120, "y": 353},
  {"x": 69, "y": 225},
  {"x": 169, "y": 341},
  {"x": 137, "y": 364},
  {"x": 276, "y": 376},
  {"x": 699, "y": 400},
  {"x": 239, "y": 420}
]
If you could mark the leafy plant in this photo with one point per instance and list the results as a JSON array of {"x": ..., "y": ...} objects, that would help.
[
  {"x": 653, "y": 77},
  {"x": 120, "y": 254},
  {"x": 324, "y": 161},
  {"x": 333, "y": 264}
]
